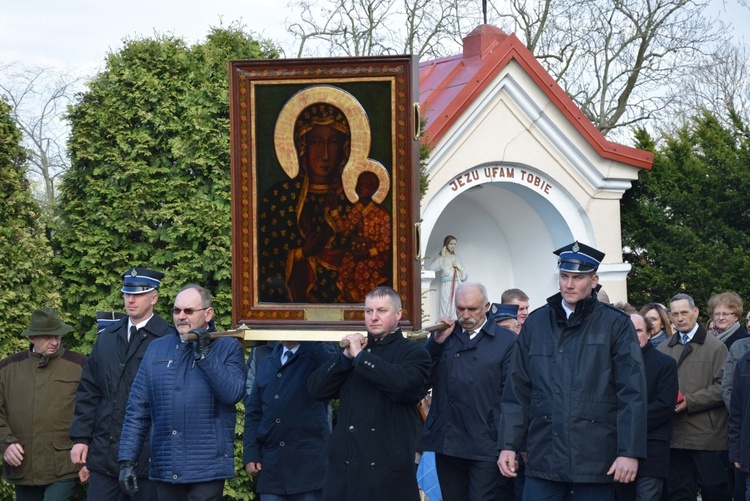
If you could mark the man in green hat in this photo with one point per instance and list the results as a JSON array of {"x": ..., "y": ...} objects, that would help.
[{"x": 37, "y": 397}]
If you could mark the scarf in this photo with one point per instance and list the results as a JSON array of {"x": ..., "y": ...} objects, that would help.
[{"x": 723, "y": 336}]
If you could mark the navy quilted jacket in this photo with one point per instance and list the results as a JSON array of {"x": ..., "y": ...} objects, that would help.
[{"x": 191, "y": 404}]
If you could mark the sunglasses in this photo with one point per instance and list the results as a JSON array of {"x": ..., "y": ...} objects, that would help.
[{"x": 188, "y": 311}]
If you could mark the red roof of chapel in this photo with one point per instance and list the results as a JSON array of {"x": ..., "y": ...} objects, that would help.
[{"x": 448, "y": 85}]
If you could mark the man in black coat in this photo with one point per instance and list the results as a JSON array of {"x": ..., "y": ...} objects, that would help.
[
  {"x": 662, "y": 387},
  {"x": 470, "y": 361},
  {"x": 103, "y": 392},
  {"x": 739, "y": 421},
  {"x": 379, "y": 380},
  {"x": 576, "y": 390}
]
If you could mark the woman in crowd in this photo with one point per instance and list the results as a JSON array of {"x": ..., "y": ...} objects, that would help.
[
  {"x": 725, "y": 311},
  {"x": 662, "y": 327}
]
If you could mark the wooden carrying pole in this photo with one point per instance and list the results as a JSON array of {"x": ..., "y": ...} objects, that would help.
[
  {"x": 430, "y": 328},
  {"x": 256, "y": 336}
]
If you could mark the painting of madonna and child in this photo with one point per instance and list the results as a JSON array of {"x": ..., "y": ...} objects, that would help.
[{"x": 332, "y": 194}]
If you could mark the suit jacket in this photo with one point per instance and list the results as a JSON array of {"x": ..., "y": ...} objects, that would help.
[{"x": 286, "y": 430}]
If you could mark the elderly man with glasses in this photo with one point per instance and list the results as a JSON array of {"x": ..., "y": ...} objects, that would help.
[{"x": 184, "y": 395}]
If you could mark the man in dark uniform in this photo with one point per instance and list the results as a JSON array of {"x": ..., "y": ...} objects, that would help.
[
  {"x": 105, "y": 385},
  {"x": 505, "y": 315},
  {"x": 576, "y": 391}
]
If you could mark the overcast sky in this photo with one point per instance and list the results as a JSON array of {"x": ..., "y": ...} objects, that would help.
[{"x": 77, "y": 34}]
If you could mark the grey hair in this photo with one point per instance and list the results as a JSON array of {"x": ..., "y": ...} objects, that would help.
[
  {"x": 206, "y": 301},
  {"x": 482, "y": 290},
  {"x": 679, "y": 297}
]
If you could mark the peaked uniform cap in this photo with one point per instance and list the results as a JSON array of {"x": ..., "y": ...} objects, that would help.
[
  {"x": 106, "y": 318},
  {"x": 139, "y": 280},
  {"x": 503, "y": 311},
  {"x": 578, "y": 258},
  {"x": 45, "y": 322}
]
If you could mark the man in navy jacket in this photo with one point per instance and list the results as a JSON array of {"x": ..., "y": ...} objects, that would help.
[
  {"x": 470, "y": 361},
  {"x": 185, "y": 394},
  {"x": 662, "y": 387},
  {"x": 576, "y": 391},
  {"x": 286, "y": 430}
]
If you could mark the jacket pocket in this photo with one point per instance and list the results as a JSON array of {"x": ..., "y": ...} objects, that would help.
[
  {"x": 540, "y": 361},
  {"x": 594, "y": 419},
  {"x": 61, "y": 456},
  {"x": 14, "y": 472}
]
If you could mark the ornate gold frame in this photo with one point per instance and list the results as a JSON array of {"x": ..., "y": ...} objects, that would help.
[{"x": 377, "y": 96}]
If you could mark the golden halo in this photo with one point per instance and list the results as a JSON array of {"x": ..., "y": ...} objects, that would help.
[
  {"x": 283, "y": 136},
  {"x": 351, "y": 174}
]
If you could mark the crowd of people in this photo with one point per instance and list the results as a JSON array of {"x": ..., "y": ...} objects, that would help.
[{"x": 578, "y": 400}]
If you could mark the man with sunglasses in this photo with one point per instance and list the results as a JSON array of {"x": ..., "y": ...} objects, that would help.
[
  {"x": 105, "y": 385},
  {"x": 184, "y": 396}
]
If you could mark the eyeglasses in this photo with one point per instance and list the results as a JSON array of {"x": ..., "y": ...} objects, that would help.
[
  {"x": 719, "y": 314},
  {"x": 188, "y": 311}
]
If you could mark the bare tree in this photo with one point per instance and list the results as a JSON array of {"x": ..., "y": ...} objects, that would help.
[
  {"x": 38, "y": 98},
  {"x": 375, "y": 27},
  {"x": 722, "y": 85},
  {"x": 622, "y": 61}
]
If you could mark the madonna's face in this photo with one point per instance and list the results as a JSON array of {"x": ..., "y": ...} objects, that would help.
[{"x": 324, "y": 149}]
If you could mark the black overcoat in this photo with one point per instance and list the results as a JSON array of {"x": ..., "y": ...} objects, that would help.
[
  {"x": 467, "y": 380},
  {"x": 103, "y": 392},
  {"x": 662, "y": 387},
  {"x": 371, "y": 450}
]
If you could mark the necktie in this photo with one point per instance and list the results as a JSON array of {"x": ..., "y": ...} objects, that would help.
[
  {"x": 471, "y": 334},
  {"x": 684, "y": 338},
  {"x": 287, "y": 357},
  {"x": 133, "y": 333}
]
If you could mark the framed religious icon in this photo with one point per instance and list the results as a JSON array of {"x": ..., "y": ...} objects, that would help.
[{"x": 325, "y": 189}]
